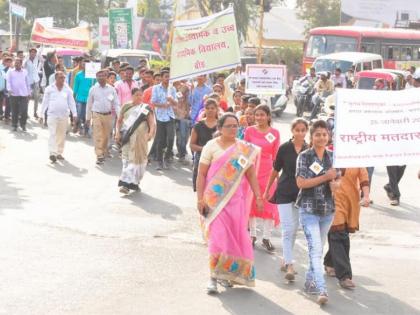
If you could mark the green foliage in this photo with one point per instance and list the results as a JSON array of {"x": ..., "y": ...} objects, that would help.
[
  {"x": 291, "y": 54},
  {"x": 149, "y": 9},
  {"x": 319, "y": 12},
  {"x": 156, "y": 65}
]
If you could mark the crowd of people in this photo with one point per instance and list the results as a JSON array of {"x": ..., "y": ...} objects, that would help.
[{"x": 242, "y": 174}]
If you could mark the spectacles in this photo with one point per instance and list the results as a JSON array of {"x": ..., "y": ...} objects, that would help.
[{"x": 233, "y": 126}]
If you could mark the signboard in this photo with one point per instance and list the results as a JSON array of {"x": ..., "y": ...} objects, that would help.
[
  {"x": 104, "y": 40},
  {"x": 78, "y": 37},
  {"x": 377, "y": 128},
  {"x": 265, "y": 79},
  {"x": 18, "y": 10},
  {"x": 91, "y": 68},
  {"x": 380, "y": 13},
  {"x": 204, "y": 45},
  {"x": 121, "y": 28},
  {"x": 153, "y": 35}
]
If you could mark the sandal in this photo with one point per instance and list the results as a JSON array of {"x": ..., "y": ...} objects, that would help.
[{"x": 329, "y": 271}]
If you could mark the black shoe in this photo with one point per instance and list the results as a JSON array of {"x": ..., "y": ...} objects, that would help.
[
  {"x": 267, "y": 245},
  {"x": 36, "y": 116},
  {"x": 100, "y": 161},
  {"x": 14, "y": 129},
  {"x": 60, "y": 157},
  {"x": 389, "y": 193},
  {"x": 160, "y": 166},
  {"x": 53, "y": 158},
  {"x": 254, "y": 240},
  {"x": 24, "y": 128}
]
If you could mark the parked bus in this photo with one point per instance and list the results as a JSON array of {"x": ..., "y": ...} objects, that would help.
[{"x": 400, "y": 48}]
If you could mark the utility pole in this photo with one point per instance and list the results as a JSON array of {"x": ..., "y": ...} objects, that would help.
[{"x": 260, "y": 32}]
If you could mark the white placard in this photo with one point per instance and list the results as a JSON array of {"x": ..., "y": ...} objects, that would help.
[
  {"x": 377, "y": 128},
  {"x": 265, "y": 79},
  {"x": 91, "y": 68}
]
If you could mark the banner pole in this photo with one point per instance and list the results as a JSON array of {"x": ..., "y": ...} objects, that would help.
[{"x": 10, "y": 24}]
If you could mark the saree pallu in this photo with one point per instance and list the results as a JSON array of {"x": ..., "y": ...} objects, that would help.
[
  {"x": 134, "y": 152},
  {"x": 227, "y": 189}
]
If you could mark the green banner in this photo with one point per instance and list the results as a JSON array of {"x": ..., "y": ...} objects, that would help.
[
  {"x": 121, "y": 28},
  {"x": 204, "y": 45}
]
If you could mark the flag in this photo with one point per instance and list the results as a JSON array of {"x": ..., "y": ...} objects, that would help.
[{"x": 18, "y": 10}]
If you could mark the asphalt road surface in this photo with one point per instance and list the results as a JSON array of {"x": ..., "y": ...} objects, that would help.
[{"x": 71, "y": 244}]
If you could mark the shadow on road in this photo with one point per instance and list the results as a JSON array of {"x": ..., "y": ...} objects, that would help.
[
  {"x": 242, "y": 301},
  {"x": 10, "y": 197},
  {"x": 403, "y": 212},
  {"x": 67, "y": 168},
  {"x": 152, "y": 205},
  {"x": 359, "y": 301},
  {"x": 179, "y": 173}
]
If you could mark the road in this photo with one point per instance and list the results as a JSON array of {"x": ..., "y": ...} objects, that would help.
[{"x": 70, "y": 244}]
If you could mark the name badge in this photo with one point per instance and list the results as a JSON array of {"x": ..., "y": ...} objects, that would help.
[
  {"x": 110, "y": 97},
  {"x": 316, "y": 168},
  {"x": 270, "y": 137},
  {"x": 242, "y": 161},
  {"x": 144, "y": 111}
]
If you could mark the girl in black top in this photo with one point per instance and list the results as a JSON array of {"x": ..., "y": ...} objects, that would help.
[
  {"x": 202, "y": 132},
  {"x": 287, "y": 191}
]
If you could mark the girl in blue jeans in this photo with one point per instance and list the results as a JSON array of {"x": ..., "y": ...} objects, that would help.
[
  {"x": 316, "y": 179},
  {"x": 287, "y": 191}
]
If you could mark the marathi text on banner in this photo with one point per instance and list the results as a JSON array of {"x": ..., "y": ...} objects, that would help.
[
  {"x": 204, "y": 45},
  {"x": 265, "y": 79},
  {"x": 121, "y": 28},
  {"x": 78, "y": 37},
  {"x": 377, "y": 128}
]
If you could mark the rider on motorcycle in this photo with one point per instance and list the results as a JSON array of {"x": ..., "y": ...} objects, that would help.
[
  {"x": 323, "y": 88},
  {"x": 311, "y": 77}
]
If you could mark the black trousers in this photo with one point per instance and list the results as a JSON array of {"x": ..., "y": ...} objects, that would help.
[
  {"x": 19, "y": 105},
  {"x": 165, "y": 137},
  {"x": 338, "y": 255},
  {"x": 395, "y": 173}
]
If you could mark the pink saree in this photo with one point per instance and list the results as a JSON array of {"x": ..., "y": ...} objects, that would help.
[{"x": 226, "y": 194}]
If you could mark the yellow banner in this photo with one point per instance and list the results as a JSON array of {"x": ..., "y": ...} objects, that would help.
[
  {"x": 78, "y": 37},
  {"x": 205, "y": 45}
]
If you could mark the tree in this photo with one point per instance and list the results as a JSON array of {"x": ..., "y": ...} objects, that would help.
[
  {"x": 319, "y": 12},
  {"x": 149, "y": 9},
  {"x": 63, "y": 11}
]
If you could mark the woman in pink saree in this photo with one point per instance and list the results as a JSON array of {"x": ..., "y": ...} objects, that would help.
[{"x": 222, "y": 193}]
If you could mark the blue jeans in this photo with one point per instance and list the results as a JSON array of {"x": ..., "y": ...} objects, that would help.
[
  {"x": 182, "y": 135},
  {"x": 289, "y": 225},
  {"x": 81, "y": 112},
  {"x": 316, "y": 230}
]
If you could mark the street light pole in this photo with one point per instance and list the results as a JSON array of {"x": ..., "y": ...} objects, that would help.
[{"x": 260, "y": 32}]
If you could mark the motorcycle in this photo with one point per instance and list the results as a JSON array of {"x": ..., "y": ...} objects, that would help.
[
  {"x": 278, "y": 104},
  {"x": 303, "y": 98}
]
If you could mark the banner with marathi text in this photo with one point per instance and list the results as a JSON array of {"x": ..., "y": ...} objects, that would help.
[
  {"x": 377, "y": 128},
  {"x": 204, "y": 45},
  {"x": 78, "y": 37}
]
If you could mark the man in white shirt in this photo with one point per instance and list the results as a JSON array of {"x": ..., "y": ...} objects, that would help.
[
  {"x": 102, "y": 100},
  {"x": 339, "y": 78},
  {"x": 58, "y": 100},
  {"x": 32, "y": 66}
]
